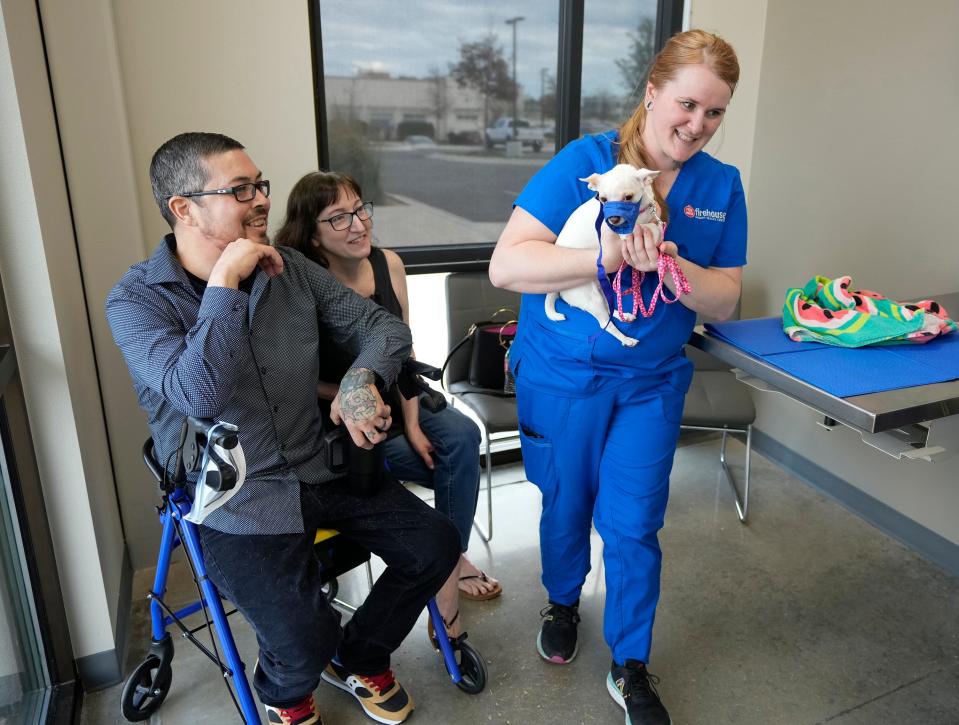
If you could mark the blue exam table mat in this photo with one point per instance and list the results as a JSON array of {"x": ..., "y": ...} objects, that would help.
[
  {"x": 840, "y": 371},
  {"x": 759, "y": 337}
]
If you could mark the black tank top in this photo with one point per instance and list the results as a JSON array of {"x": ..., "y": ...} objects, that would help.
[{"x": 335, "y": 361}]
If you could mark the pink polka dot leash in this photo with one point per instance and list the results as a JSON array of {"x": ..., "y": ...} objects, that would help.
[{"x": 665, "y": 265}]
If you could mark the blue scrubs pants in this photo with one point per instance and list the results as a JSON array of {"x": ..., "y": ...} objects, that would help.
[{"x": 605, "y": 458}]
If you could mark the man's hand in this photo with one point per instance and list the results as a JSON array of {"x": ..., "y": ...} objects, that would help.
[
  {"x": 359, "y": 406},
  {"x": 421, "y": 444},
  {"x": 240, "y": 258}
]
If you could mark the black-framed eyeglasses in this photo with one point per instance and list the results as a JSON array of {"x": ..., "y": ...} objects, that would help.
[
  {"x": 339, "y": 222},
  {"x": 241, "y": 192}
]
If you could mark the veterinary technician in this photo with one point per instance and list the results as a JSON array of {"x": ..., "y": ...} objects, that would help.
[{"x": 598, "y": 421}]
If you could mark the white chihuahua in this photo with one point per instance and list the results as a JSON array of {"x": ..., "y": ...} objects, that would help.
[{"x": 622, "y": 183}]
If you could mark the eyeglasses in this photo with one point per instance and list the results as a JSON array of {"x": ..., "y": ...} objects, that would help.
[
  {"x": 339, "y": 222},
  {"x": 241, "y": 192}
]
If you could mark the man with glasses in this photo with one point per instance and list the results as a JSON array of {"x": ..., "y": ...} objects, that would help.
[{"x": 219, "y": 324}]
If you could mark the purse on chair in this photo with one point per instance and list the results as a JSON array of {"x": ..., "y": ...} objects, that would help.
[{"x": 490, "y": 341}]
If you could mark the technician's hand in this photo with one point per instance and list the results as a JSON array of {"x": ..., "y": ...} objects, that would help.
[
  {"x": 641, "y": 248},
  {"x": 240, "y": 258},
  {"x": 612, "y": 249},
  {"x": 360, "y": 408},
  {"x": 421, "y": 444}
]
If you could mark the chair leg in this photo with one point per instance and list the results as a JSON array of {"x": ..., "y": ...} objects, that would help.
[
  {"x": 742, "y": 502},
  {"x": 347, "y": 606},
  {"x": 488, "y": 533}
]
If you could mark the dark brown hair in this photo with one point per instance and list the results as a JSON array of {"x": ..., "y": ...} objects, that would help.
[
  {"x": 179, "y": 166},
  {"x": 309, "y": 196}
]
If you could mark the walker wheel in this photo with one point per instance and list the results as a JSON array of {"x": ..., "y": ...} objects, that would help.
[
  {"x": 330, "y": 590},
  {"x": 145, "y": 689},
  {"x": 472, "y": 670}
]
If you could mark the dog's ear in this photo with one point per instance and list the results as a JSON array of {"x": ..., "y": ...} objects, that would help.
[
  {"x": 646, "y": 175},
  {"x": 592, "y": 181}
]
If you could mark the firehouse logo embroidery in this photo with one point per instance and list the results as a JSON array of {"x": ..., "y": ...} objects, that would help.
[{"x": 705, "y": 214}]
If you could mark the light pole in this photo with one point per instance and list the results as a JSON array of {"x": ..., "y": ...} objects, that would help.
[{"x": 513, "y": 22}]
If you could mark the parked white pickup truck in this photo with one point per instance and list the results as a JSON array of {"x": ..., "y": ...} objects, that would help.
[{"x": 502, "y": 131}]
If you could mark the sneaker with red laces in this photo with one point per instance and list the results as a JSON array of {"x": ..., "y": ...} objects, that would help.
[
  {"x": 302, "y": 713},
  {"x": 381, "y": 696}
]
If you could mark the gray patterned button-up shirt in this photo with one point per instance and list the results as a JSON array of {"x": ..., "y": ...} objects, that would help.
[{"x": 251, "y": 360}]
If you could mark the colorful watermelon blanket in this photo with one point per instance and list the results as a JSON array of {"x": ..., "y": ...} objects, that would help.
[{"x": 831, "y": 312}]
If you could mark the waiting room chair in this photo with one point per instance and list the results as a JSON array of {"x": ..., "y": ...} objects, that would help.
[
  {"x": 471, "y": 297},
  {"x": 717, "y": 401}
]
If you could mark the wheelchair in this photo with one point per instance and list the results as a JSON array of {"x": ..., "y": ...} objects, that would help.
[{"x": 148, "y": 685}]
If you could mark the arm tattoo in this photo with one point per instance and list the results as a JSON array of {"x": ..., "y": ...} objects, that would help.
[{"x": 357, "y": 401}]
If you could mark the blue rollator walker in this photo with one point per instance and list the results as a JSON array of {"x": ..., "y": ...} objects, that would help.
[{"x": 148, "y": 684}]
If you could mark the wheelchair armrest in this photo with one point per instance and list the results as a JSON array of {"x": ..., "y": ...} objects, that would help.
[
  {"x": 421, "y": 368},
  {"x": 411, "y": 384}
]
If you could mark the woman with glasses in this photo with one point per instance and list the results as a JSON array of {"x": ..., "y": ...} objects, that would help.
[{"x": 328, "y": 221}]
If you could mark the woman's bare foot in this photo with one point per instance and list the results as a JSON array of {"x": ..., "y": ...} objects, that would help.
[
  {"x": 448, "y": 601},
  {"x": 474, "y": 583}
]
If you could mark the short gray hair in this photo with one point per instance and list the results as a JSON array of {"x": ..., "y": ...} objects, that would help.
[{"x": 178, "y": 166}]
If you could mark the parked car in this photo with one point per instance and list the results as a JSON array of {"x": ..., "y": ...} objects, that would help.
[
  {"x": 502, "y": 131},
  {"x": 465, "y": 138},
  {"x": 418, "y": 141}
]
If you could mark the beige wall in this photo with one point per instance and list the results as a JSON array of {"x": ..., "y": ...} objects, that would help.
[
  {"x": 239, "y": 67},
  {"x": 148, "y": 72},
  {"x": 853, "y": 172},
  {"x": 733, "y": 143},
  {"x": 50, "y": 329}
]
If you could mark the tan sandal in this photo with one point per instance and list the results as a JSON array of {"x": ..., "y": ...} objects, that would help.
[{"x": 491, "y": 594}]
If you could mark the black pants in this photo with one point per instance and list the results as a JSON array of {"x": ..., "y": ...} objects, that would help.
[{"x": 274, "y": 582}]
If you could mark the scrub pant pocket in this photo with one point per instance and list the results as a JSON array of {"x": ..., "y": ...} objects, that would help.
[{"x": 555, "y": 436}]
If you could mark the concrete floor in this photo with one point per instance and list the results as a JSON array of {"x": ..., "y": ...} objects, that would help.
[{"x": 806, "y": 615}]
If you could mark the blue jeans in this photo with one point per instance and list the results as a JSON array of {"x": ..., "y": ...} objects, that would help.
[{"x": 455, "y": 476}]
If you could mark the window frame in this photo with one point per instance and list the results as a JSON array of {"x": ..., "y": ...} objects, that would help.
[{"x": 426, "y": 259}]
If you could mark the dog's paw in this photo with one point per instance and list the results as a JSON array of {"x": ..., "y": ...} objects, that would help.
[
  {"x": 630, "y": 342},
  {"x": 555, "y": 316},
  {"x": 625, "y": 317}
]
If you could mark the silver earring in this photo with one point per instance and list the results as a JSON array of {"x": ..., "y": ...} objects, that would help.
[{"x": 649, "y": 105}]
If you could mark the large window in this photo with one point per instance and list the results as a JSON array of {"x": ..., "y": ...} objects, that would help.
[
  {"x": 443, "y": 109},
  {"x": 619, "y": 41}
]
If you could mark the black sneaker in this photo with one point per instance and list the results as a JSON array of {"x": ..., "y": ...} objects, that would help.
[
  {"x": 556, "y": 642},
  {"x": 632, "y": 687}
]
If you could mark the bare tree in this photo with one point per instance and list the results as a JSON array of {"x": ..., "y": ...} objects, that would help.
[
  {"x": 482, "y": 66},
  {"x": 635, "y": 66},
  {"x": 438, "y": 99}
]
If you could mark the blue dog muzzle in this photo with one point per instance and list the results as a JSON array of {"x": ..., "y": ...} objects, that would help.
[{"x": 621, "y": 216}]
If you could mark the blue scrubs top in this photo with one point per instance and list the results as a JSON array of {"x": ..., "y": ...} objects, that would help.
[{"x": 707, "y": 221}]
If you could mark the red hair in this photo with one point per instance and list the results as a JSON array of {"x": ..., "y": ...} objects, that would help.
[{"x": 694, "y": 47}]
